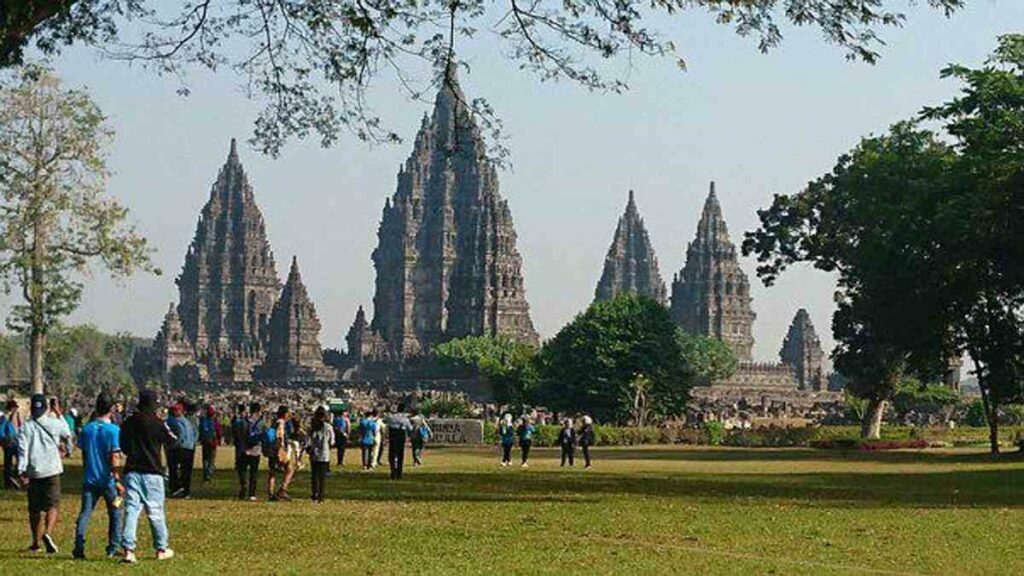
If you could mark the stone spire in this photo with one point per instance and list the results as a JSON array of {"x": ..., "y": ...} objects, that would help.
[
  {"x": 170, "y": 346},
  {"x": 801, "y": 350},
  {"x": 446, "y": 259},
  {"x": 228, "y": 283},
  {"x": 294, "y": 347},
  {"x": 711, "y": 294},
  {"x": 631, "y": 266}
]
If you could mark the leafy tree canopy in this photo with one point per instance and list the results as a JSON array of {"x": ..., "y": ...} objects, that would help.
[
  {"x": 312, "y": 62},
  {"x": 592, "y": 364},
  {"x": 507, "y": 364},
  {"x": 710, "y": 359}
]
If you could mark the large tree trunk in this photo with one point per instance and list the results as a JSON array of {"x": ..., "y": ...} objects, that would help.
[
  {"x": 36, "y": 345},
  {"x": 991, "y": 417},
  {"x": 871, "y": 424}
]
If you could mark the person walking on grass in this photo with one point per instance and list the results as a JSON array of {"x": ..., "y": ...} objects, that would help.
[
  {"x": 142, "y": 437},
  {"x": 210, "y": 435},
  {"x": 275, "y": 446},
  {"x": 100, "y": 443},
  {"x": 181, "y": 458},
  {"x": 342, "y": 428},
  {"x": 420, "y": 434},
  {"x": 399, "y": 428},
  {"x": 40, "y": 466},
  {"x": 507, "y": 437},
  {"x": 10, "y": 426},
  {"x": 252, "y": 441},
  {"x": 586, "y": 439},
  {"x": 239, "y": 429},
  {"x": 378, "y": 439},
  {"x": 567, "y": 442},
  {"x": 368, "y": 431},
  {"x": 318, "y": 444},
  {"x": 525, "y": 433}
]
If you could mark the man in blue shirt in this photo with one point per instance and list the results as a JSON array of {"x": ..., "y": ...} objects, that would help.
[
  {"x": 10, "y": 423},
  {"x": 100, "y": 443},
  {"x": 342, "y": 427},
  {"x": 181, "y": 458}
]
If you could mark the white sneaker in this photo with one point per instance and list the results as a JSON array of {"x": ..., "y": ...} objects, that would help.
[
  {"x": 524, "y": 465},
  {"x": 129, "y": 557},
  {"x": 164, "y": 554}
]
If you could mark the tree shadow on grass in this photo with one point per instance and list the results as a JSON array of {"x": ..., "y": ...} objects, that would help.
[{"x": 686, "y": 454}]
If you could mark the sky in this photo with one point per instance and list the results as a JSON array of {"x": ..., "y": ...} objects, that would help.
[{"x": 756, "y": 124}]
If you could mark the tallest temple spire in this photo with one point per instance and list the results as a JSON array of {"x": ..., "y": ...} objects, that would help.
[
  {"x": 711, "y": 294},
  {"x": 446, "y": 260}
]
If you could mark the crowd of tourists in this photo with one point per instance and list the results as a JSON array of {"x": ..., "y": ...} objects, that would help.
[{"x": 123, "y": 456}]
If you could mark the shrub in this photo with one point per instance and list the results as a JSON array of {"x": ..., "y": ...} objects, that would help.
[{"x": 715, "y": 432}]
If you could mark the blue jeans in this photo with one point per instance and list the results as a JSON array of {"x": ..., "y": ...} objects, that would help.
[
  {"x": 90, "y": 497},
  {"x": 144, "y": 491}
]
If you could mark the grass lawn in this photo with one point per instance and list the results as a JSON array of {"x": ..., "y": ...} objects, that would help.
[{"x": 639, "y": 511}]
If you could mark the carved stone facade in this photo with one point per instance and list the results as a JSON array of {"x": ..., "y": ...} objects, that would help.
[
  {"x": 446, "y": 261},
  {"x": 711, "y": 294},
  {"x": 801, "y": 350},
  {"x": 631, "y": 266},
  {"x": 227, "y": 291},
  {"x": 711, "y": 297},
  {"x": 293, "y": 351}
]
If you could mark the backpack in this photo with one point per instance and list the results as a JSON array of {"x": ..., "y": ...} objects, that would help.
[
  {"x": 268, "y": 442},
  {"x": 255, "y": 436},
  {"x": 207, "y": 430}
]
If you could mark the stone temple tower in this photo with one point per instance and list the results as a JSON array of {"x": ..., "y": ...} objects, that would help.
[
  {"x": 631, "y": 266},
  {"x": 446, "y": 260},
  {"x": 801, "y": 350},
  {"x": 711, "y": 294},
  {"x": 293, "y": 350},
  {"x": 228, "y": 284}
]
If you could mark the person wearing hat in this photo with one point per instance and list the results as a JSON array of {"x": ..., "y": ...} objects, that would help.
[
  {"x": 209, "y": 438},
  {"x": 586, "y": 439},
  {"x": 100, "y": 443},
  {"x": 142, "y": 437},
  {"x": 181, "y": 458},
  {"x": 39, "y": 465},
  {"x": 10, "y": 425}
]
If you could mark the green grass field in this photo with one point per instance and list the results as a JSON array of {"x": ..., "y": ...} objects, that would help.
[{"x": 639, "y": 511}]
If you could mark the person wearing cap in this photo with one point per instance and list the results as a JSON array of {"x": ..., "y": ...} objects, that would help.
[
  {"x": 143, "y": 435},
  {"x": 100, "y": 443},
  {"x": 181, "y": 458},
  {"x": 209, "y": 438},
  {"x": 10, "y": 425},
  {"x": 39, "y": 465}
]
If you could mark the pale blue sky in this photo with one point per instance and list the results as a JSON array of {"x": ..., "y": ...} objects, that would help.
[{"x": 756, "y": 124}]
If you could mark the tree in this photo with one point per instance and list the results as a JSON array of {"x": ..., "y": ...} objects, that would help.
[
  {"x": 84, "y": 360},
  {"x": 312, "y": 62},
  {"x": 914, "y": 396},
  {"x": 710, "y": 359},
  {"x": 593, "y": 364},
  {"x": 54, "y": 219},
  {"x": 11, "y": 365},
  {"x": 508, "y": 365},
  {"x": 872, "y": 221},
  {"x": 985, "y": 264}
]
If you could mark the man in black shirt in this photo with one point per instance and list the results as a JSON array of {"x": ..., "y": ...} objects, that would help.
[{"x": 142, "y": 437}]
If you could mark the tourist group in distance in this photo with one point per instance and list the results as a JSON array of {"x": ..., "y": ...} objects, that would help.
[{"x": 123, "y": 454}]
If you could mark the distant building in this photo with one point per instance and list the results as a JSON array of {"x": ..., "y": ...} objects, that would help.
[
  {"x": 224, "y": 323},
  {"x": 446, "y": 260},
  {"x": 631, "y": 266}
]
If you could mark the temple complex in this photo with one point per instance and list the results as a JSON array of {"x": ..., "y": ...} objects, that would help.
[
  {"x": 224, "y": 323},
  {"x": 446, "y": 260},
  {"x": 631, "y": 266},
  {"x": 711, "y": 297}
]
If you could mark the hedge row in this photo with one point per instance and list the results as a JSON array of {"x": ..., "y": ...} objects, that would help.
[{"x": 713, "y": 434}]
